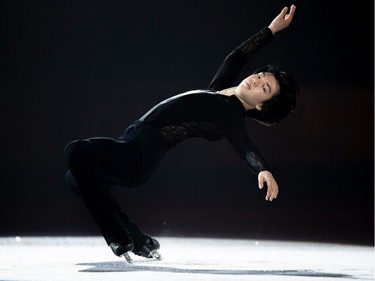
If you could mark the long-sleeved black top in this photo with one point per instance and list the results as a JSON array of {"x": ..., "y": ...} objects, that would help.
[{"x": 210, "y": 115}]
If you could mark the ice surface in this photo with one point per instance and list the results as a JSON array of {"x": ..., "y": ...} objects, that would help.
[{"x": 89, "y": 258}]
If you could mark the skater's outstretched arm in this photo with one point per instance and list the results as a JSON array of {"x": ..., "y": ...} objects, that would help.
[{"x": 236, "y": 60}]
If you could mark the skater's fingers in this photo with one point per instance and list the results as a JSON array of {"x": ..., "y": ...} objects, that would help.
[{"x": 272, "y": 190}]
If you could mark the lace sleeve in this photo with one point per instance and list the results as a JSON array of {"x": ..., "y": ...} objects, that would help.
[
  {"x": 255, "y": 162},
  {"x": 238, "y": 138},
  {"x": 256, "y": 42},
  {"x": 236, "y": 60}
]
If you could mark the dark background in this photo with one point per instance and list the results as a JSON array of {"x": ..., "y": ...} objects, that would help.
[{"x": 73, "y": 69}]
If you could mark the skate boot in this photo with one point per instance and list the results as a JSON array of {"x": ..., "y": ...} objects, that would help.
[
  {"x": 149, "y": 249},
  {"x": 122, "y": 248},
  {"x": 144, "y": 245}
]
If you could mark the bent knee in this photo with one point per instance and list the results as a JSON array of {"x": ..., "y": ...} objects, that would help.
[
  {"x": 78, "y": 149},
  {"x": 68, "y": 150}
]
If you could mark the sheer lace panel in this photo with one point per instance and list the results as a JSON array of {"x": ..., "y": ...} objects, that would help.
[
  {"x": 174, "y": 134},
  {"x": 255, "y": 162},
  {"x": 255, "y": 42}
]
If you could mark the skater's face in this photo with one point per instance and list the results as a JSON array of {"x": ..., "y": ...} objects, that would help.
[{"x": 256, "y": 89}]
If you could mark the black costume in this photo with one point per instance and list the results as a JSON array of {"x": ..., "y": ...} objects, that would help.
[{"x": 96, "y": 164}]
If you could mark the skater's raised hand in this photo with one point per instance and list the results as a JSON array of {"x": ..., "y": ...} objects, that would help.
[
  {"x": 272, "y": 187},
  {"x": 283, "y": 19}
]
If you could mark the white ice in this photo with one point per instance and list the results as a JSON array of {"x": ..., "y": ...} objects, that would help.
[{"x": 185, "y": 259}]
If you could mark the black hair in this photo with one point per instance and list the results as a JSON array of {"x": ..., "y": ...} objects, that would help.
[{"x": 280, "y": 105}]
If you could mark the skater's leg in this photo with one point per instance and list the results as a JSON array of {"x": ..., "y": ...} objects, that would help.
[
  {"x": 87, "y": 179},
  {"x": 121, "y": 162}
]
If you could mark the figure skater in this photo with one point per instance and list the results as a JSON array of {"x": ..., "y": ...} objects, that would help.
[{"x": 96, "y": 164}]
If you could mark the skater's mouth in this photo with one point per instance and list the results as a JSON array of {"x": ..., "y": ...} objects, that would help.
[{"x": 247, "y": 85}]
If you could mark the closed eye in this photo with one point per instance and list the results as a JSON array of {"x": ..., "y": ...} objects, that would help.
[{"x": 267, "y": 88}]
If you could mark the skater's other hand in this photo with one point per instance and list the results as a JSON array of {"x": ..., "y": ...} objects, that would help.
[
  {"x": 272, "y": 187},
  {"x": 283, "y": 19}
]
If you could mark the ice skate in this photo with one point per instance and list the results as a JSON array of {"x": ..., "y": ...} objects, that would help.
[
  {"x": 144, "y": 245},
  {"x": 122, "y": 248},
  {"x": 149, "y": 249}
]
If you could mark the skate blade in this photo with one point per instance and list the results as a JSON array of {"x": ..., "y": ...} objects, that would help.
[
  {"x": 155, "y": 254},
  {"x": 128, "y": 258}
]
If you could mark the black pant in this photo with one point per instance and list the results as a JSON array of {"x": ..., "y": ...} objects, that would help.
[{"x": 96, "y": 164}]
